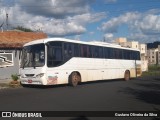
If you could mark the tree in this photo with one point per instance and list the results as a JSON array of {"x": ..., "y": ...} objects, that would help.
[{"x": 23, "y": 29}]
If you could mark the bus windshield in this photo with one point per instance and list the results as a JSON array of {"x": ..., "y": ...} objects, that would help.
[{"x": 33, "y": 56}]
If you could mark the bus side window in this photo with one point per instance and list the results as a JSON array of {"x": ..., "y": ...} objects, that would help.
[
  {"x": 125, "y": 54},
  {"x": 58, "y": 54},
  {"x": 120, "y": 53},
  {"x": 116, "y": 55},
  {"x": 139, "y": 57},
  {"x": 100, "y": 52},
  {"x": 84, "y": 51},
  {"x": 111, "y": 53},
  {"x": 65, "y": 51},
  {"x": 76, "y": 50},
  {"x": 96, "y": 52},
  {"x": 68, "y": 51},
  {"x": 90, "y": 52},
  {"x": 105, "y": 53},
  {"x": 54, "y": 54},
  {"x": 131, "y": 55},
  {"x": 108, "y": 53}
]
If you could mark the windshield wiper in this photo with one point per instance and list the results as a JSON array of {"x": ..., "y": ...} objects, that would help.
[
  {"x": 33, "y": 60},
  {"x": 24, "y": 64}
]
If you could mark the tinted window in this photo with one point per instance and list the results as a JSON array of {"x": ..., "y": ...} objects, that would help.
[
  {"x": 76, "y": 50},
  {"x": 90, "y": 51},
  {"x": 55, "y": 56},
  {"x": 108, "y": 53},
  {"x": 68, "y": 51},
  {"x": 100, "y": 52},
  {"x": 84, "y": 51},
  {"x": 95, "y": 52}
]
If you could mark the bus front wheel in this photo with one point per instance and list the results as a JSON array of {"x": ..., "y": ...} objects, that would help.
[
  {"x": 74, "y": 78},
  {"x": 127, "y": 75}
]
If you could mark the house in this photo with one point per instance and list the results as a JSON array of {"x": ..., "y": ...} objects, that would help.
[{"x": 11, "y": 43}]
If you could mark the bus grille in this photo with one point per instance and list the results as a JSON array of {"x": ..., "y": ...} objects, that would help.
[{"x": 29, "y": 75}]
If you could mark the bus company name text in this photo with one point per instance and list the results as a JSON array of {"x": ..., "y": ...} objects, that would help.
[{"x": 22, "y": 115}]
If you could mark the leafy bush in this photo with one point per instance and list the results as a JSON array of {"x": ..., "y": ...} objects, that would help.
[
  {"x": 154, "y": 68},
  {"x": 14, "y": 77}
]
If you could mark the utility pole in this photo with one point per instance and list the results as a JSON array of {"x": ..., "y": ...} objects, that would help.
[
  {"x": 136, "y": 68},
  {"x": 7, "y": 20}
]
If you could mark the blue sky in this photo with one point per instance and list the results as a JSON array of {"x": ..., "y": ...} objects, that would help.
[{"x": 87, "y": 19}]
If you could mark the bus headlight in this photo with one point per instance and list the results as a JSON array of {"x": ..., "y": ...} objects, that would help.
[{"x": 40, "y": 75}]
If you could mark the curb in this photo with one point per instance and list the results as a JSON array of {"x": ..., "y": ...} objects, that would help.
[{"x": 7, "y": 84}]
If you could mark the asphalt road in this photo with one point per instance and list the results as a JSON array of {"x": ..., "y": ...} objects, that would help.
[{"x": 140, "y": 94}]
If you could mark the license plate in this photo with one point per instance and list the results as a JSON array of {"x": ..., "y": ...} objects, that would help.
[{"x": 29, "y": 81}]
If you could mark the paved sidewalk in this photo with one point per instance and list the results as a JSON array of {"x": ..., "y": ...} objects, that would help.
[
  {"x": 5, "y": 80},
  {"x": 3, "y": 83}
]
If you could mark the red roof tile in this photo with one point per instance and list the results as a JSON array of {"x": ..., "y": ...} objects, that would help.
[{"x": 16, "y": 39}]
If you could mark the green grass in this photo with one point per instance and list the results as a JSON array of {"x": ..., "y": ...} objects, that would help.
[{"x": 153, "y": 70}]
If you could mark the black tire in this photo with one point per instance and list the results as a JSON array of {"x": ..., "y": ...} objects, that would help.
[
  {"x": 74, "y": 78},
  {"x": 127, "y": 75}
]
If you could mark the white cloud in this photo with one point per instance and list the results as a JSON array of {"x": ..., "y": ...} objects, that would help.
[
  {"x": 63, "y": 28},
  {"x": 113, "y": 24},
  {"x": 54, "y": 8},
  {"x": 142, "y": 27},
  {"x": 91, "y": 33},
  {"x": 108, "y": 37},
  {"x": 82, "y": 19},
  {"x": 72, "y": 25},
  {"x": 110, "y": 1},
  {"x": 150, "y": 24},
  {"x": 2, "y": 16},
  {"x": 77, "y": 37},
  {"x": 55, "y": 17}
]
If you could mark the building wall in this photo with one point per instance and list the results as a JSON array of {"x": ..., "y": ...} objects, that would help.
[
  {"x": 133, "y": 44},
  {"x": 6, "y": 72},
  {"x": 121, "y": 40},
  {"x": 159, "y": 54},
  {"x": 144, "y": 58},
  {"x": 152, "y": 56},
  {"x": 143, "y": 49}
]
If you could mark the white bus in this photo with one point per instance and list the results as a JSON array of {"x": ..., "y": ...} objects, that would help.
[{"x": 53, "y": 61}]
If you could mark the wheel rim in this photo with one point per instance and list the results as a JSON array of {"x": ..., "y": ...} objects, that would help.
[{"x": 75, "y": 79}]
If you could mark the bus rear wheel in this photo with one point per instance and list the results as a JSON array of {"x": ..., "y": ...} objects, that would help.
[
  {"x": 74, "y": 78},
  {"x": 127, "y": 75}
]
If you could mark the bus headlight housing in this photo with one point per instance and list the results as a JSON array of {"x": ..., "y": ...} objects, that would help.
[
  {"x": 40, "y": 75},
  {"x": 22, "y": 76}
]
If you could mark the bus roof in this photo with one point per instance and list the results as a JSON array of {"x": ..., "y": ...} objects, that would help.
[{"x": 96, "y": 43}]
